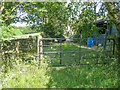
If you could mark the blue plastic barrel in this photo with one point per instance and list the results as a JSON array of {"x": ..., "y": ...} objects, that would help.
[{"x": 89, "y": 42}]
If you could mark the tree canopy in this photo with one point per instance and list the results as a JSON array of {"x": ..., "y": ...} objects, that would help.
[{"x": 53, "y": 17}]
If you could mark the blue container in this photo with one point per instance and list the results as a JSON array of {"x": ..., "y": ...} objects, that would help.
[{"x": 89, "y": 42}]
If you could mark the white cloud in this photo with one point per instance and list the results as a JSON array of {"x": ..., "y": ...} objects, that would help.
[
  {"x": 98, "y": 7},
  {"x": 19, "y": 24}
]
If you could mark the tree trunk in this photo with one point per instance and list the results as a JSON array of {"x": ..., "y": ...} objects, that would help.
[{"x": 114, "y": 13}]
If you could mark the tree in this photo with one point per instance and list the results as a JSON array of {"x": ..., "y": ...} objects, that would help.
[
  {"x": 114, "y": 13},
  {"x": 55, "y": 16},
  {"x": 8, "y": 12},
  {"x": 89, "y": 10}
]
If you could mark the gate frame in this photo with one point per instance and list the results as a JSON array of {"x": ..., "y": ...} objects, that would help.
[{"x": 41, "y": 48}]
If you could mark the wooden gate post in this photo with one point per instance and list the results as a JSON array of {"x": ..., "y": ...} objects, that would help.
[{"x": 39, "y": 48}]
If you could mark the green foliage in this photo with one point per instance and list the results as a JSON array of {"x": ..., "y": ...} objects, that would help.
[
  {"x": 8, "y": 32},
  {"x": 51, "y": 31},
  {"x": 83, "y": 22},
  {"x": 25, "y": 30},
  {"x": 17, "y": 32},
  {"x": 6, "y": 18},
  {"x": 54, "y": 19}
]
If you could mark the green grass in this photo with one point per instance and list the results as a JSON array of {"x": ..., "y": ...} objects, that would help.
[
  {"x": 83, "y": 76},
  {"x": 86, "y": 76}
]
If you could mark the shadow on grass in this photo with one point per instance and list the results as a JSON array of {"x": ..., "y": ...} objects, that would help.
[{"x": 89, "y": 76}]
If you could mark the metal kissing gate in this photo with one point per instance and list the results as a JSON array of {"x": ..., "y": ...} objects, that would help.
[{"x": 67, "y": 52}]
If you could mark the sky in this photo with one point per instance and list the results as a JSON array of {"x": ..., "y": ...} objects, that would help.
[{"x": 23, "y": 24}]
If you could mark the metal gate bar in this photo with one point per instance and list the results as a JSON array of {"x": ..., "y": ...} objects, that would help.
[
  {"x": 60, "y": 51},
  {"x": 71, "y": 51}
]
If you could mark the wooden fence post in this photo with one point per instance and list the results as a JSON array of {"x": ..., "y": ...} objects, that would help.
[
  {"x": 2, "y": 51},
  {"x": 4, "y": 61},
  {"x": 17, "y": 48},
  {"x": 0, "y": 55}
]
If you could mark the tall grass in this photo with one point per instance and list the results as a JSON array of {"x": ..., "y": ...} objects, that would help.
[{"x": 25, "y": 76}]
